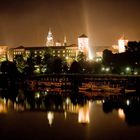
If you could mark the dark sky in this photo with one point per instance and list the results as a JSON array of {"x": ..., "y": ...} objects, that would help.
[{"x": 26, "y": 22}]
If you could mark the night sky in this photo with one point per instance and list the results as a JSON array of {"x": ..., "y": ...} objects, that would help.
[{"x": 26, "y": 22}]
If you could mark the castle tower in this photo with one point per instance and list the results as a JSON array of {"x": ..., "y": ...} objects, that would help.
[
  {"x": 83, "y": 44},
  {"x": 65, "y": 41},
  {"x": 122, "y": 42},
  {"x": 50, "y": 41}
]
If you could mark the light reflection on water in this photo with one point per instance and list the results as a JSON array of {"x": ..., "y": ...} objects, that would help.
[
  {"x": 109, "y": 116},
  {"x": 74, "y": 104}
]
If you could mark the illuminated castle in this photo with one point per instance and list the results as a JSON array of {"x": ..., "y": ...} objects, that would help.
[
  {"x": 50, "y": 41},
  {"x": 83, "y": 44},
  {"x": 56, "y": 49},
  {"x": 122, "y": 42}
]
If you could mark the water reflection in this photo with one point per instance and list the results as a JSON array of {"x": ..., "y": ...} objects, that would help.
[
  {"x": 83, "y": 114},
  {"x": 3, "y": 108},
  {"x": 127, "y": 107},
  {"x": 50, "y": 117},
  {"x": 121, "y": 114}
]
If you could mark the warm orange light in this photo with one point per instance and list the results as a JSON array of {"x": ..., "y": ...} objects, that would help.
[
  {"x": 83, "y": 114},
  {"x": 50, "y": 117},
  {"x": 83, "y": 45},
  {"x": 121, "y": 114},
  {"x": 3, "y": 108},
  {"x": 122, "y": 43}
]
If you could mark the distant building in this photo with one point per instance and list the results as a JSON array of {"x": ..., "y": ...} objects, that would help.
[
  {"x": 65, "y": 41},
  {"x": 3, "y": 53},
  {"x": 50, "y": 41},
  {"x": 122, "y": 42},
  {"x": 57, "y": 49},
  {"x": 70, "y": 51},
  {"x": 83, "y": 44}
]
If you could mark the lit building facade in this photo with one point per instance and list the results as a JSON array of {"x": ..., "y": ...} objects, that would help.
[
  {"x": 57, "y": 49},
  {"x": 70, "y": 51},
  {"x": 3, "y": 53},
  {"x": 122, "y": 42},
  {"x": 83, "y": 44}
]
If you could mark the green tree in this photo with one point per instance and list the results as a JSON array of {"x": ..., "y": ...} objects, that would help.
[{"x": 20, "y": 63}]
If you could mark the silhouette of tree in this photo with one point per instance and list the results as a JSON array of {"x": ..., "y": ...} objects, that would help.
[
  {"x": 75, "y": 67},
  {"x": 57, "y": 65}
]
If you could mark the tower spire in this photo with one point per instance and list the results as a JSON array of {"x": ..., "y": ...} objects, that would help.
[
  {"x": 50, "y": 41},
  {"x": 65, "y": 41}
]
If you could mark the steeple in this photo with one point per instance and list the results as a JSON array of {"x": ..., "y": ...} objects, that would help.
[
  {"x": 65, "y": 41},
  {"x": 50, "y": 41}
]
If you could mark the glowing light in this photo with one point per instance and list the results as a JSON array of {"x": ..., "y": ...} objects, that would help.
[
  {"x": 127, "y": 68},
  {"x": 99, "y": 54},
  {"x": 4, "y": 100},
  {"x": 98, "y": 59},
  {"x": 107, "y": 69},
  {"x": 37, "y": 95},
  {"x": 128, "y": 102},
  {"x": 65, "y": 41},
  {"x": 50, "y": 117},
  {"x": 49, "y": 41},
  {"x": 65, "y": 115},
  {"x": 135, "y": 73},
  {"x": 3, "y": 107},
  {"x": 103, "y": 69},
  {"x": 99, "y": 102},
  {"x": 58, "y": 43},
  {"x": 122, "y": 43},
  {"x": 3, "y": 53},
  {"x": 68, "y": 101},
  {"x": 83, "y": 115},
  {"x": 83, "y": 45},
  {"x": 90, "y": 55},
  {"x": 121, "y": 114}
]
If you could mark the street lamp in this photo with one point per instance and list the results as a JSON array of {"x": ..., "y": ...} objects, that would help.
[{"x": 128, "y": 69}]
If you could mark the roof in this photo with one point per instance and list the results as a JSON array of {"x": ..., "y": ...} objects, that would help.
[
  {"x": 44, "y": 47},
  {"x": 83, "y": 36}
]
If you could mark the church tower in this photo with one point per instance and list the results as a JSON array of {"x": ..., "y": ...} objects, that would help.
[
  {"x": 65, "y": 41},
  {"x": 50, "y": 41}
]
